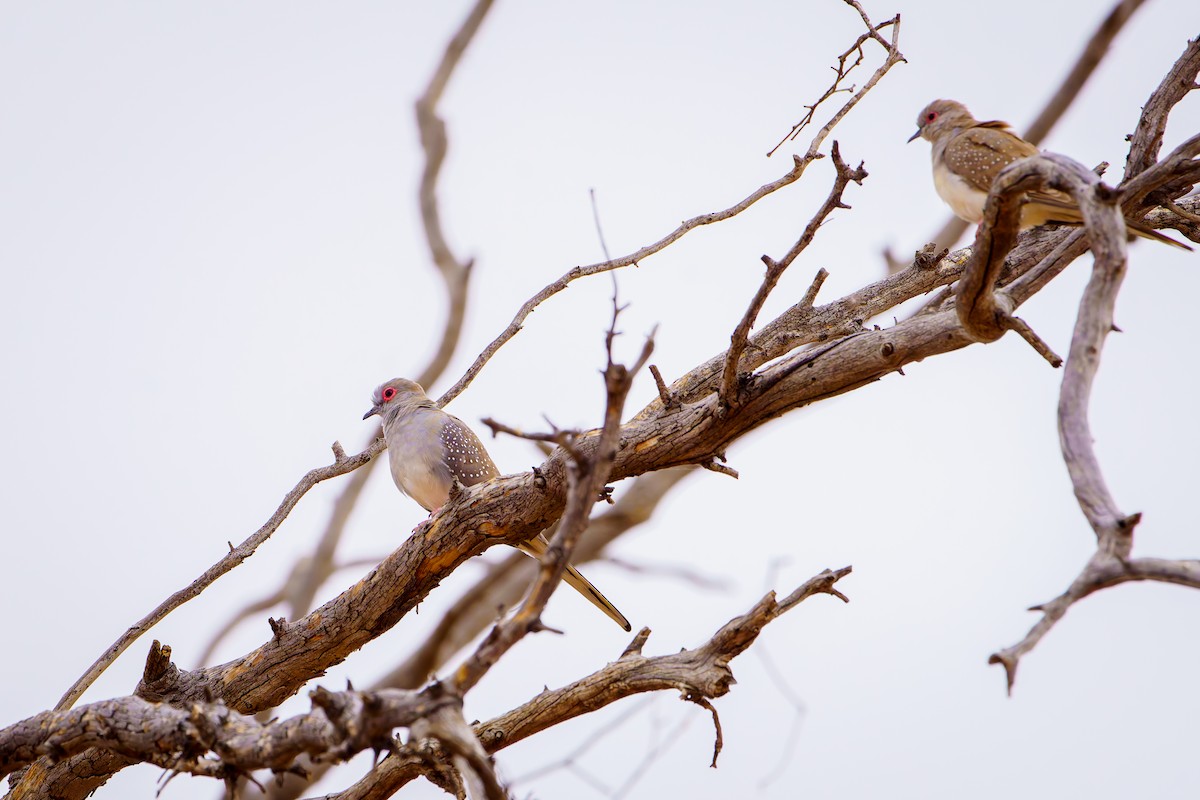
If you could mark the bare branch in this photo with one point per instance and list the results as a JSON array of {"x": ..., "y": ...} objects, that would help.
[
  {"x": 701, "y": 672},
  {"x": 775, "y": 269},
  {"x": 664, "y": 394},
  {"x": 842, "y": 71},
  {"x": 1092, "y": 326},
  {"x": 985, "y": 313},
  {"x": 234, "y": 558},
  {"x": 1102, "y": 571},
  {"x": 1148, "y": 136},
  {"x": 340, "y": 725},
  {"x": 1111, "y": 563},
  {"x": 586, "y": 477},
  {"x": 1094, "y": 51},
  {"x": 575, "y": 273},
  {"x": 801, "y": 164}
]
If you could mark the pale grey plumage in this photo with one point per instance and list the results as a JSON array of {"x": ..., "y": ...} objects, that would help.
[
  {"x": 429, "y": 449},
  {"x": 968, "y": 154}
]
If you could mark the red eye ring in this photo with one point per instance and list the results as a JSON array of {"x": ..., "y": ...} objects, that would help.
[
  {"x": 388, "y": 393},
  {"x": 931, "y": 116}
]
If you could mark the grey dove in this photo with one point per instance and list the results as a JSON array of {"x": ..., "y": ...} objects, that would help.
[
  {"x": 429, "y": 449},
  {"x": 968, "y": 155}
]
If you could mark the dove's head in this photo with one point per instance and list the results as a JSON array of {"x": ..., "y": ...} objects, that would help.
[
  {"x": 396, "y": 395},
  {"x": 942, "y": 118}
]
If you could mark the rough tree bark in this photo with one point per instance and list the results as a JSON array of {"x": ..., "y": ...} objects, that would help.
[{"x": 201, "y": 721}]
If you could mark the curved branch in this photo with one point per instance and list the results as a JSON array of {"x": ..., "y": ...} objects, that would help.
[
  {"x": 576, "y": 273},
  {"x": 701, "y": 672},
  {"x": 310, "y": 573},
  {"x": 987, "y": 314},
  {"x": 1148, "y": 136},
  {"x": 843, "y": 176},
  {"x": 341, "y": 465}
]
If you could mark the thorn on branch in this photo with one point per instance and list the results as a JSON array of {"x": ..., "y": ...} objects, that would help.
[
  {"x": 669, "y": 400},
  {"x": 158, "y": 662},
  {"x": 1126, "y": 524},
  {"x": 715, "y": 465},
  {"x": 1036, "y": 342},
  {"x": 634, "y": 648},
  {"x": 719, "y": 741},
  {"x": 1010, "y": 668},
  {"x": 928, "y": 257},
  {"x": 278, "y": 626},
  {"x": 810, "y": 296}
]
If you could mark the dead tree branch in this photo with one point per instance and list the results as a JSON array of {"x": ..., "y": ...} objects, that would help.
[
  {"x": 341, "y": 465},
  {"x": 586, "y": 477},
  {"x": 799, "y": 166},
  {"x": 1147, "y": 138},
  {"x": 1111, "y": 563},
  {"x": 702, "y": 673},
  {"x": 775, "y": 269},
  {"x": 310, "y": 572},
  {"x": 987, "y": 314},
  {"x": 212, "y": 740},
  {"x": 842, "y": 71}
]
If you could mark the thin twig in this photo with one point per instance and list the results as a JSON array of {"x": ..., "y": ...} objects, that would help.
[
  {"x": 576, "y": 273},
  {"x": 309, "y": 573},
  {"x": 986, "y": 313},
  {"x": 800, "y": 165},
  {"x": 842, "y": 71},
  {"x": 232, "y": 559},
  {"x": 738, "y": 340},
  {"x": 669, "y": 400},
  {"x": 586, "y": 477}
]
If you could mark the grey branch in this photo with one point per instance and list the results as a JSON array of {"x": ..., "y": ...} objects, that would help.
[
  {"x": 1111, "y": 563},
  {"x": 844, "y": 175},
  {"x": 702, "y": 672}
]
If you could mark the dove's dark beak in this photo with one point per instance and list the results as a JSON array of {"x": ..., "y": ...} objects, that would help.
[
  {"x": 916, "y": 135},
  {"x": 374, "y": 410}
]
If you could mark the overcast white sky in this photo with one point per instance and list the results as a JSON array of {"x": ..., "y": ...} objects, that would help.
[{"x": 211, "y": 254}]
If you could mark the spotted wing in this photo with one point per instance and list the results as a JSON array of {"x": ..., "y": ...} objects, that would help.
[
  {"x": 465, "y": 455},
  {"x": 978, "y": 154}
]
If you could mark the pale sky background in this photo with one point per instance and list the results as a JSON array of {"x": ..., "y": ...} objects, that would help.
[{"x": 211, "y": 254}]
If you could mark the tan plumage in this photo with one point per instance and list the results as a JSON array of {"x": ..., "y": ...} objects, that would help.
[
  {"x": 967, "y": 156},
  {"x": 429, "y": 449}
]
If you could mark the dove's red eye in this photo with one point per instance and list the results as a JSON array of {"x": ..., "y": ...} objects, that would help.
[
  {"x": 931, "y": 116},
  {"x": 388, "y": 393}
]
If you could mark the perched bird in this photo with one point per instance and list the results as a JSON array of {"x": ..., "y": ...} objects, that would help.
[
  {"x": 969, "y": 154},
  {"x": 430, "y": 449}
]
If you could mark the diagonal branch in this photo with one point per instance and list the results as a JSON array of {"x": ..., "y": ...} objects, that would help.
[
  {"x": 800, "y": 164},
  {"x": 985, "y": 313},
  {"x": 842, "y": 71},
  {"x": 1147, "y": 138},
  {"x": 341, "y": 465},
  {"x": 775, "y": 269},
  {"x": 1111, "y": 563},
  {"x": 702, "y": 672},
  {"x": 586, "y": 477}
]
